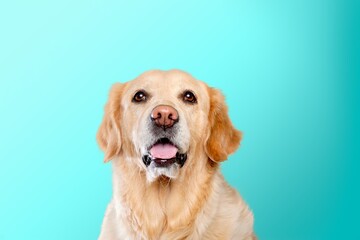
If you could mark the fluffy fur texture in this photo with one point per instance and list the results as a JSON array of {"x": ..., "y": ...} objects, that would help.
[{"x": 192, "y": 202}]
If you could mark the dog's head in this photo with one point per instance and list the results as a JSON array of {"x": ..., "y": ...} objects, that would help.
[{"x": 162, "y": 119}]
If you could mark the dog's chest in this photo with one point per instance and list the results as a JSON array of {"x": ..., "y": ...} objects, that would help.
[{"x": 156, "y": 215}]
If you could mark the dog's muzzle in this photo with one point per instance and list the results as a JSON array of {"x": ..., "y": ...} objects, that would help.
[{"x": 163, "y": 152}]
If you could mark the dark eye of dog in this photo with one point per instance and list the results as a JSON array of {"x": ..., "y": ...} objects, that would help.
[
  {"x": 189, "y": 97},
  {"x": 140, "y": 96}
]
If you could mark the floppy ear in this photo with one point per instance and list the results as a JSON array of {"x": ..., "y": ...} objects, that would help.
[
  {"x": 224, "y": 139},
  {"x": 108, "y": 135}
]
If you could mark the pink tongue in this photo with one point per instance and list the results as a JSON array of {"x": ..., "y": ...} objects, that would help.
[{"x": 163, "y": 151}]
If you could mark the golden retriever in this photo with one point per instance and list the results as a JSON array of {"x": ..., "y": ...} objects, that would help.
[{"x": 166, "y": 134}]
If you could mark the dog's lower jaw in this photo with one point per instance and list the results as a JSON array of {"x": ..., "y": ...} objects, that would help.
[
  {"x": 171, "y": 171},
  {"x": 153, "y": 172}
]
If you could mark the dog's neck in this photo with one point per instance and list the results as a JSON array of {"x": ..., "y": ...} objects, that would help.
[{"x": 164, "y": 205}]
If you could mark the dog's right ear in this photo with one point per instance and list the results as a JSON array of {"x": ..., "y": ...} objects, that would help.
[{"x": 108, "y": 135}]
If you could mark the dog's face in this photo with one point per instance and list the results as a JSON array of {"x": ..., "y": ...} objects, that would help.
[{"x": 162, "y": 119}]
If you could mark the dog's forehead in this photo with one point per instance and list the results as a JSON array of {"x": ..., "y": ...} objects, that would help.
[{"x": 172, "y": 80}]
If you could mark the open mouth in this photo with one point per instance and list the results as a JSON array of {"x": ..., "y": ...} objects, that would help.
[{"x": 164, "y": 153}]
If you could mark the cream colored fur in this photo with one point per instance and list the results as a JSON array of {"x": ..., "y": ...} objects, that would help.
[{"x": 193, "y": 203}]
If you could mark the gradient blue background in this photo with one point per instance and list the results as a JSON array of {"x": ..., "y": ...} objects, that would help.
[{"x": 288, "y": 69}]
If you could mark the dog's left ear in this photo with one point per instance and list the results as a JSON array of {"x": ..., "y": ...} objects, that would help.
[
  {"x": 108, "y": 135},
  {"x": 223, "y": 138}
]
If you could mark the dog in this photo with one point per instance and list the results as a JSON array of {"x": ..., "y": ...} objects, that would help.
[{"x": 166, "y": 134}]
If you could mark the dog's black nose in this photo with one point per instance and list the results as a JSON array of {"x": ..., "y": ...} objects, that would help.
[{"x": 164, "y": 116}]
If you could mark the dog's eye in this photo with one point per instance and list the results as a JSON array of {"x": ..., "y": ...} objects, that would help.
[
  {"x": 140, "y": 96},
  {"x": 189, "y": 97}
]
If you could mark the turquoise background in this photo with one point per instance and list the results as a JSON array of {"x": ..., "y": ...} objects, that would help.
[{"x": 289, "y": 70}]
